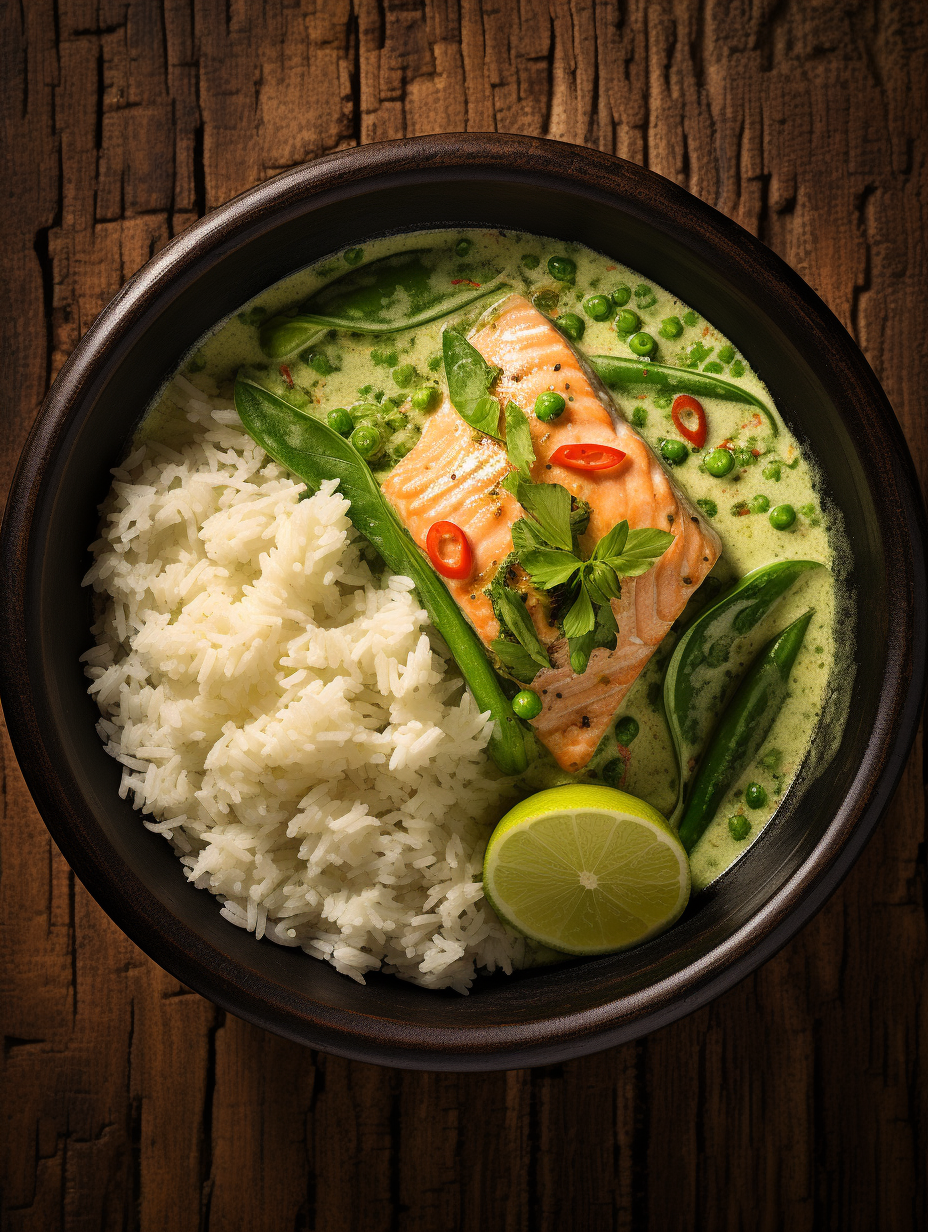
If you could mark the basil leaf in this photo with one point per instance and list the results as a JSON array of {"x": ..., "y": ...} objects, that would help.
[
  {"x": 549, "y": 505},
  {"x": 580, "y": 649},
  {"x": 526, "y": 535},
  {"x": 601, "y": 582},
  {"x": 315, "y": 452},
  {"x": 580, "y": 618},
  {"x": 612, "y": 543},
  {"x": 519, "y": 623},
  {"x": 646, "y": 542},
  {"x": 549, "y": 567},
  {"x": 469, "y": 379},
  {"x": 519, "y": 446},
  {"x": 516, "y": 658}
]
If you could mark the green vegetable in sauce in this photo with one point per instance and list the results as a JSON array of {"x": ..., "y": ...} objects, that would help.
[
  {"x": 384, "y": 296},
  {"x": 463, "y": 247},
  {"x": 469, "y": 378},
  {"x": 367, "y": 440},
  {"x": 598, "y": 307},
  {"x": 719, "y": 462},
  {"x": 340, "y": 421},
  {"x": 424, "y": 398},
  {"x": 726, "y": 354},
  {"x": 697, "y": 681},
  {"x": 671, "y": 327},
  {"x": 782, "y": 517},
  {"x": 755, "y": 796},
  {"x": 739, "y": 827},
  {"x": 621, "y": 295},
  {"x": 519, "y": 448},
  {"x": 563, "y": 269},
  {"x": 314, "y": 452},
  {"x": 625, "y": 323},
  {"x": 548, "y": 406},
  {"x": 742, "y": 729},
  {"x": 354, "y": 256},
  {"x": 674, "y": 452},
  {"x": 614, "y": 772},
  {"x": 759, "y": 503},
  {"x": 404, "y": 375},
  {"x": 620, "y": 372},
  {"x": 626, "y": 730},
  {"x": 772, "y": 471},
  {"x": 530, "y": 261},
  {"x": 691, "y": 318},
  {"x": 571, "y": 325},
  {"x": 709, "y": 507},
  {"x": 526, "y": 704},
  {"x": 642, "y": 344}
]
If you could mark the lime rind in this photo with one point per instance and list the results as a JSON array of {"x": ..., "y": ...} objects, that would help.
[{"x": 586, "y": 870}]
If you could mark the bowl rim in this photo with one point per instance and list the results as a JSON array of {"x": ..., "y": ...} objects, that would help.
[{"x": 258, "y": 998}]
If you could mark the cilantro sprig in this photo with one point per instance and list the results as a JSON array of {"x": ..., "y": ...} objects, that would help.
[{"x": 546, "y": 546}]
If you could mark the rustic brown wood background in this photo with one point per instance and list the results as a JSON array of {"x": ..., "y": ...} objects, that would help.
[{"x": 800, "y": 1099}]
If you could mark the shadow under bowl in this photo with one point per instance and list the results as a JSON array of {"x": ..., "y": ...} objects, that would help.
[{"x": 829, "y": 398}]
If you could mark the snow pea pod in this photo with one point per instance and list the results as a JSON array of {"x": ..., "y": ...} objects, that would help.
[
  {"x": 399, "y": 291},
  {"x": 316, "y": 453},
  {"x": 622, "y": 372},
  {"x": 698, "y": 682},
  {"x": 743, "y": 728}
]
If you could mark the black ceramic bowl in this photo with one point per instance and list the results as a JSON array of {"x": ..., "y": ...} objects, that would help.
[{"x": 828, "y": 396}]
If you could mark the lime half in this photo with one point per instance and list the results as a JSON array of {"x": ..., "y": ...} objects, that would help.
[{"x": 586, "y": 870}]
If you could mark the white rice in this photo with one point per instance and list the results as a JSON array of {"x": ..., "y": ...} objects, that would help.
[{"x": 283, "y": 718}]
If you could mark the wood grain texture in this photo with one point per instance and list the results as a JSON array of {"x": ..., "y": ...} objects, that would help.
[{"x": 799, "y": 1099}]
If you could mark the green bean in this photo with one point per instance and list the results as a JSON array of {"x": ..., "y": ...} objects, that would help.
[
  {"x": 621, "y": 372},
  {"x": 698, "y": 680},
  {"x": 743, "y": 728},
  {"x": 314, "y": 452}
]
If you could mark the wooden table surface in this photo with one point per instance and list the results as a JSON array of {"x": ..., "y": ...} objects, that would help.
[{"x": 800, "y": 1099}]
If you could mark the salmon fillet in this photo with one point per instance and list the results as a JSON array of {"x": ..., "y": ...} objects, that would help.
[{"x": 454, "y": 473}]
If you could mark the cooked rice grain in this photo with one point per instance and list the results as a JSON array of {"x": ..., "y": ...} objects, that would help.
[{"x": 282, "y": 717}]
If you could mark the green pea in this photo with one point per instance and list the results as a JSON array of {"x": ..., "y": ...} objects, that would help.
[
  {"x": 743, "y": 456},
  {"x": 642, "y": 344},
  {"x": 549, "y": 405},
  {"x": 639, "y": 417},
  {"x": 782, "y": 517},
  {"x": 726, "y": 354},
  {"x": 755, "y": 796},
  {"x": 598, "y": 307},
  {"x": 644, "y": 296},
  {"x": 674, "y": 451},
  {"x": 546, "y": 301},
  {"x": 526, "y": 704},
  {"x": 626, "y": 730},
  {"x": 627, "y": 321},
  {"x": 530, "y": 261},
  {"x": 739, "y": 827},
  {"x": 340, "y": 421},
  {"x": 621, "y": 296},
  {"x": 614, "y": 772},
  {"x": 435, "y": 362},
  {"x": 772, "y": 471},
  {"x": 709, "y": 507},
  {"x": 691, "y": 318},
  {"x": 571, "y": 325},
  {"x": 424, "y": 397},
  {"x": 354, "y": 256},
  {"x": 719, "y": 462},
  {"x": 671, "y": 327},
  {"x": 562, "y": 269},
  {"x": 396, "y": 421},
  {"x": 759, "y": 503},
  {"x": 737, "y": 368},
  {"x": 712, "y": 366},
  {"x": 404, "y": 375},
  {"x": 399, "y": 449},
  {"x": 366, "y": 440},
  {"x": 463, "y": 247}
]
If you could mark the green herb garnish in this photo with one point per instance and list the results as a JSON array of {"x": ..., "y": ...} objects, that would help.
[{"x": 469, "y": 379}]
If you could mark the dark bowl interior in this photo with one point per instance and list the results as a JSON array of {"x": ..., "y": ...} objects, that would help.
[{"x": 827, "y": 395}]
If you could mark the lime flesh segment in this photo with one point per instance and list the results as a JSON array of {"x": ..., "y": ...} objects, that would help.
[{"x": 586, "y": 870}]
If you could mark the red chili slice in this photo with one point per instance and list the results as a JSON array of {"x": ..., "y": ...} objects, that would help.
[
  {"x": 449, "y": 550},
  {"x": 682, "y": 405},
  {"x": 285, "y": 373},
  {"x": 587, "y": 457}
]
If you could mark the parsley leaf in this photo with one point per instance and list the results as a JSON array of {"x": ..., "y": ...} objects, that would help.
[
  {"x": 516, "y": 658},
  {"x": 519, "y": 446},
  {"x": 549, "y": 567},
  {"x": 647, "y": 543},
  {"x": 601, "y": 581},
  {"x": 548, "y": 504},
  {"x": 612, "y": 543},
  {"x": 527, "y": 535},
  {"x": 469, "y": 379},
  {"x": 580, "y": 617},
  {"x": 580, "y": 649},
  {"x": 519, "y": 623}
]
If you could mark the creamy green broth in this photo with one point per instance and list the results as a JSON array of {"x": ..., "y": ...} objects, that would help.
[{"x": 343, "y": 370}]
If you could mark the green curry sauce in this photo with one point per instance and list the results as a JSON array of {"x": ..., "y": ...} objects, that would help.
[{"x": 372, "y": 377}]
